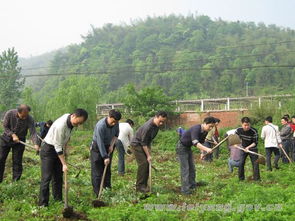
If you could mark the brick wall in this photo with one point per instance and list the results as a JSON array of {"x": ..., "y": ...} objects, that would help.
[{"x": 188, "y": 119}]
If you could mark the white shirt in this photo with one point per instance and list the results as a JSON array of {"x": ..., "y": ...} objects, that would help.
[
  {"x": 125, "y": 134},
  {"x": 231, "y": 132},
  {"x": 271, "y": 135},
  {"x": 59, "y": 134}
]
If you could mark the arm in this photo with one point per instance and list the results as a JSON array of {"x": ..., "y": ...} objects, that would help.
[
  {"x": 113, "y": 142},
  {"x": 147, "y": 153},
  {"x": 255, "y": 141},
  {"x": 263, "y": 133},
  {"x": 7, "y": 129},
  {"x": 100, "y": 143},
  {"x": 33, "y": 134},
  {"x": 203, "y": 148}
]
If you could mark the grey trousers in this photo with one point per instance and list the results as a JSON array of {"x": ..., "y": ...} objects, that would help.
[{"x": 187, "y": 167}]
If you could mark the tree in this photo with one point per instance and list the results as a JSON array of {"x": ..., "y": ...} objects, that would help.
[
  {"x": 10, "y": 80},
  {"x": 147, "y": 101}
]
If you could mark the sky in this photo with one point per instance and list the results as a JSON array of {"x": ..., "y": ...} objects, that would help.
[{"x": 34, "y": 27}]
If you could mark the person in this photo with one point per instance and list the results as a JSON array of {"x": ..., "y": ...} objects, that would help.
[
  {"x": 141, "y": 147},
  {"x": 216, "y": 138},
  {"x": 235, "y": 155},
  {"x": 272, "y": 140},
  {"x": 53, "y": 151},
  {"x": 16, "y": 124},
  {"x": 286, "y": 136},
  {"x": 212, "y": 140},
  {"x": 195, "y": 136},
  {"x": 293, "y": 138},
  {"x": 44, "y": 127},
  {"x": 180, "y": 131},
  {"x": 123, "y": 143},
  {"x": 249, "y": 137},
  {"x": 105, "y": 136}
]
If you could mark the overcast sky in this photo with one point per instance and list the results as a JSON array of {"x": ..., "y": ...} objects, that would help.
[{"x": 37, "y": 26}]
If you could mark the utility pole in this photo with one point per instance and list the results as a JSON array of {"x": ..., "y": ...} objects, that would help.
[{"x": 247, "y": 89}]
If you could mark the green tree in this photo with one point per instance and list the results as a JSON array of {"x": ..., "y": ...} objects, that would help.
[
  {"x": 147, "y": 101},
  {"x": 10, "y": 80}
]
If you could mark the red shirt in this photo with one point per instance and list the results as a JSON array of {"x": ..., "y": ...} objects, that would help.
[{"x": 292, "y": 126}]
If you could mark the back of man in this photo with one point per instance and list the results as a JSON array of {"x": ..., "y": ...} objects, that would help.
[{"x": 16, "y": 124}]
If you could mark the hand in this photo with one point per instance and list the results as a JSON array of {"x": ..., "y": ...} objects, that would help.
[
  {"x": 64, "y": 168},
  {"x": 149, "y": 158},
  {"x": 37, "y": 148},
  {"x": 106, "y": 161},
  {"x": 208, "y": 150},
  {"x": 15, "y": 138},
  {"x": 215, "y": 143},
  {"x": 281, "y": 146},
  {"x": 247, "y": 149},
  {"x": 202, "y": 156},
  {"x": 111, "y": 149}
]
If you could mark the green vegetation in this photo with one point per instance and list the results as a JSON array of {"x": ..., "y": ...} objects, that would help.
[
  {"x": 10, "y": 88},
  {"x": 18, "y": 201}
]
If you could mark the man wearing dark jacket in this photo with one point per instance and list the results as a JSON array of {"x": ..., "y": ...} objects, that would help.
[
  {"x": 195, "y": 136},
  {"x": 105, "y": 136},
  {"x": 286, "y": 136},
  {"x": 141, "y": 147},
  {"x": 16, "y": 124},
  {"x": 249, "y": 137}
]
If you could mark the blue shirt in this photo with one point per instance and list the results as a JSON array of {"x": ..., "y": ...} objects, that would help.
[{"x": 103, "y": 135}]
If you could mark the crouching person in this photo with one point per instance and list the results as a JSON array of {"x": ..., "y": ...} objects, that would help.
[
  {"x": 52, "y": 154},
  {"x": 105, "y": 136},
  {"x": 195, "y": 136},
  {"x": 141, "y": 147}
]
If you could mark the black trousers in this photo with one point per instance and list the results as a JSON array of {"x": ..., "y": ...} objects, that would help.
[
  {"x": 97, "y": 167},
  {"x": 51, "y": 169},
  {"x": 276, "y": 152},
  {"x": 255, "y": 165},
  {"x": 17, "y": 158}
]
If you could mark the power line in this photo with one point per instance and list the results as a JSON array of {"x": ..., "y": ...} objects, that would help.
[
  {"x": 167, "y": 70},
  {"x": 182, "y": 52}
]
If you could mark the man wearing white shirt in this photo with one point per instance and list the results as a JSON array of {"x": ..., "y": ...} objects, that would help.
[
  {"x": 53, "y": 162},
  {"x": 124, "y": 139},
  {"x": 272, "y": 140}
]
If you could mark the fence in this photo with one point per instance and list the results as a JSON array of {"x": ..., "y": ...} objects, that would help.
[{"x": 216, "y": 104}]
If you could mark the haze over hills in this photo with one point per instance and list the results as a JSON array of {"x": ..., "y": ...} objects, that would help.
[{"x": 190, "y": 56}]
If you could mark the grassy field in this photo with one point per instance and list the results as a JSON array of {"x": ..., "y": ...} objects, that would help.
[{"x": 273, "y": 198}]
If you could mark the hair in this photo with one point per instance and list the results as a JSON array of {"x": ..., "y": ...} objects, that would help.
[
  {"x": 115, "y": 114},
  {"x": 79, "y": 112},
  {"x": 162, "y": 114},
  {"x": 23, "y": 107},
  {"x": 129, "y": 121},
  {"x": 293, "y": 116},
  {"x": 217, "y": 120},
  {"x": 285, "y": 118},
  {"x": 49, "y": 122},
  {"x": 269, "y": 119},
  {"x": 209, "y": 120},
  {"x": 246, "y": 120}
]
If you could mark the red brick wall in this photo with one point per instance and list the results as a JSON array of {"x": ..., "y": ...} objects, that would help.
[{"x": 188, "y": 119}]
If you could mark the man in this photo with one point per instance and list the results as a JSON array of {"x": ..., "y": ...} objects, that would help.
[
  {"x": 105, "y": 136},
  {"x": 141, "y": 147},
  {"x": 195, "y": 136},
  {"x": 271, "y": 136},
  {"x": 44, "y": 127},
  {"x": 286, "y": 136},
  {"x": 293, "y": 138},
  {"x": 249, "y": 137},
  {"x": 212, "y": 140},
  {"x": 180, "y": 131},
  {"x": 124, "y": 139},
  {"x": 16, "y": 124},
  {"x": 53, "y": 150}
]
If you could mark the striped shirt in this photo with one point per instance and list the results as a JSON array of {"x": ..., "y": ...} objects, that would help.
[{"x": 248, "y": 137}]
